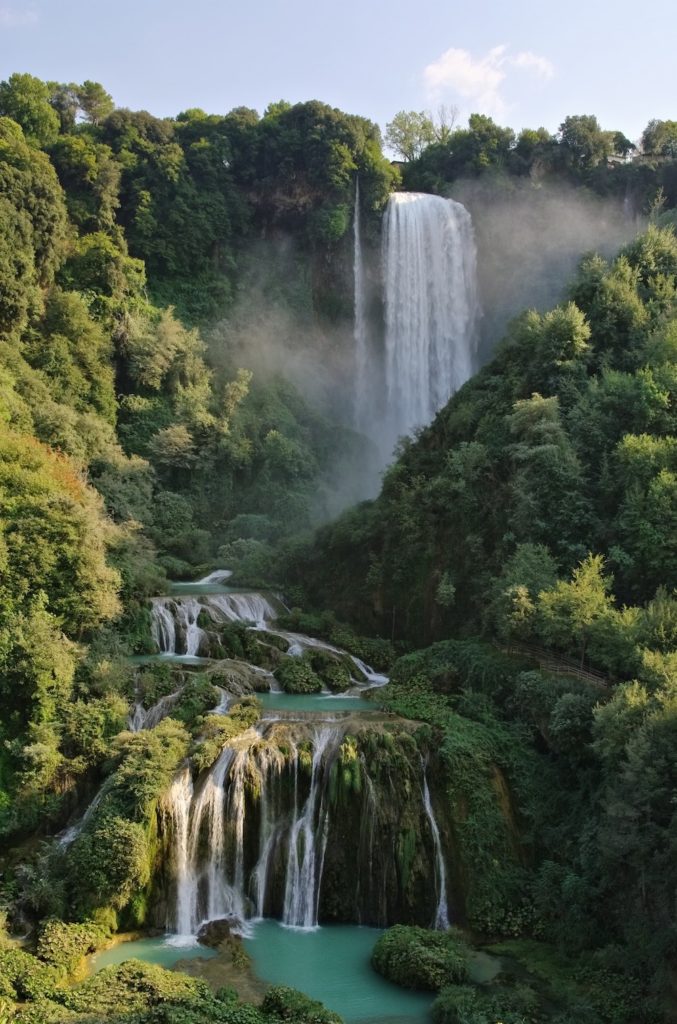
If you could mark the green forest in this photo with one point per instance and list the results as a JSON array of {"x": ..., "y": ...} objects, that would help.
[{"x": 515, "y": 577}]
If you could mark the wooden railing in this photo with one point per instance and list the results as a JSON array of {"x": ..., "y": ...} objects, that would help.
[{"x": 558, "y": 665}]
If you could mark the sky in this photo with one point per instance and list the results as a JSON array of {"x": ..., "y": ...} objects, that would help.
[{"x": 526, "y": 64}]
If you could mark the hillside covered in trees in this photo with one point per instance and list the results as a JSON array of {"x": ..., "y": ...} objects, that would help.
[{"x": 516, "y": 574}]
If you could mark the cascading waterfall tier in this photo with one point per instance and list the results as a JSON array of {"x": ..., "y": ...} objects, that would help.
[
  {"x": 175, "y": 620},
  {"x": 302, "y": 821},
  {"x": 431, "y": 306}
]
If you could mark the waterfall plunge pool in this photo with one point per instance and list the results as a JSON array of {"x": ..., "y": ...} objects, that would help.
[
  {"x": 332, "y": 964},
  {"x": 329, "y": 963}
]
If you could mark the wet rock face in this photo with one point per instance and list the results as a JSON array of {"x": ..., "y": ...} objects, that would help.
[{"x": 214, "y": 933}]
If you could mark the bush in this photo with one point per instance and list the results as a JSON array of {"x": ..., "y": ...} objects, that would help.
[
  {"x": 333, "y": 672},
  {"x": 219, "y": 729},
  {"x": 134, "y": 985},
  {"x": 23, "y": 976},
  {"x": 64, "y": 945},
  {"x": 296, "y": 675},
  {"x": 421, "y": 959},
  {"x": 464, "y": 1004},
  {"x": 289, "y": 1004}
]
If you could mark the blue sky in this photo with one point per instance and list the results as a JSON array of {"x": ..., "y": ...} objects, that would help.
[{"x": 525, "y": 63}]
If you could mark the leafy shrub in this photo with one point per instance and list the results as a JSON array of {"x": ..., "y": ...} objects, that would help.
[
  {"x": 64, "y": 945},
  {"x": 422, "y": 959},
  {"x": 134, "y": 985},
  {"x": 465, "y": 1004},
  {"x": 219, "y": 729},
  {"x": 286, "y": 1003},
  {"x": 23, "y": 976},
  {"x": 331, "y": 669},
  {"x": 296, "y": 675}
]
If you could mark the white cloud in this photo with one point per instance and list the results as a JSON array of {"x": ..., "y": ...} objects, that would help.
[
  {"x": 479, "y": 79},
  {"x": 12, "y": 18},
  {"x": 541, "y": 66}
]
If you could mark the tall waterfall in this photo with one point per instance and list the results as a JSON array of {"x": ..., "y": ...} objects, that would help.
[
  {"x": 361, "y": 329},
  {"x": 431, "y": 313}
]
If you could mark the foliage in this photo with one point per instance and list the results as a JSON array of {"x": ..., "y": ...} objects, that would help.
[
  {"x": 218, "y": 729},
  {"x": 421, "y": 959},
  {"x": 296, "y": 675},
  {"x": 64, "y": 945},
  {"x": 282, "y": 1003}
]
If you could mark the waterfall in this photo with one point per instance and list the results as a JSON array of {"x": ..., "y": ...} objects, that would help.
[
  {"x": 208, "y": 828},
  {"x": 163, "y": 627},
  {"x": 148, "y": 719},
  {"x": 360, "y": 330},
  {"x": 69, "y": 835},
  {"x": 431, "y": 306},
  {"x": 442, "y": 912},
  {"x": 307, "y": 842},
  {"x": 174, "y": 620},
  {"x": 177, "y": 811}
]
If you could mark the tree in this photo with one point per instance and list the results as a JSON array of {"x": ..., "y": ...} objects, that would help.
[
  {"x": 27, "y": 101},
  {"x": 530, "y": 570},
  {"x": 584, "y": 142},
  {"x": 90, "y": 176},
  {"x": 95, "y": 103},
  {"x": 64, "y": 99},
  {"x": 569, "y": 610},
  {"x": 174, "y": 446},
  {"x": 410, "y": 132},
  {"x": 29, "y": 183},
  {"x": 621, "y": 145},
  {"x": 659, "y": 138}
]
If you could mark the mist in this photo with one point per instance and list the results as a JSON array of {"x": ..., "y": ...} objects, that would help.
[{"x": 530, "y": 238}]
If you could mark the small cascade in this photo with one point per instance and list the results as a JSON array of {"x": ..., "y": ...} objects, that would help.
[
  {"x": 218, "y": 576},
  {"x": 177, "y": 808},
  {"x": 441, "y": 920},
  {"x": 69, "y": 835},
  {"x": 163, "y": 627},
  {"x": 142, "y": 718},
  {"x": 307, "y": 843},
  {"x": 213, "y": 874},
  {"x": 299, "y": 643},
  {"x": 137, "y": 717},
  {"x": 175, "y": 620},
  {"x": 252, "y": 607}
]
